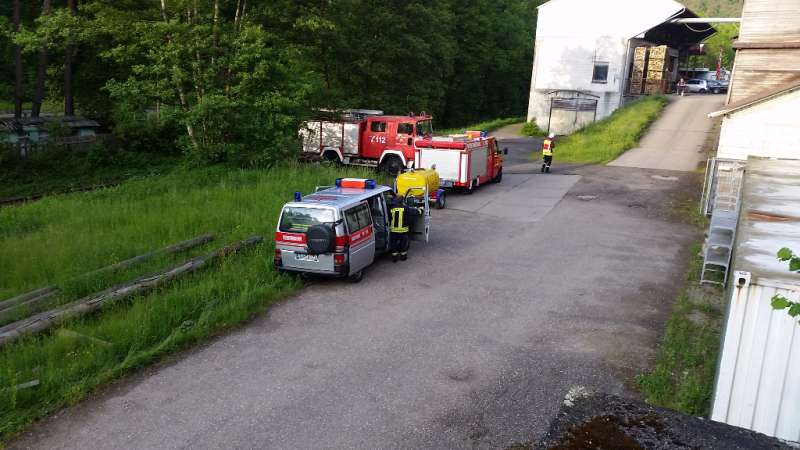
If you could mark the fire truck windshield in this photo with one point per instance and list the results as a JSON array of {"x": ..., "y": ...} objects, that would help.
[{"x": 424, "y": 128}]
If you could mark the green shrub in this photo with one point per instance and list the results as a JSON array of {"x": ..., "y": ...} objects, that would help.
[{"x": 532, "y": 130}]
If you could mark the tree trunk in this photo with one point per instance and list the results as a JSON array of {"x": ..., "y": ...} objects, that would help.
[
  {"x": 17, "y": 65},
  {"x": 41, "y": 71},
  {"x": 48, "y": 319},
  {"x": 69, "y": 101},
  {"x": 178, "y": 87}
]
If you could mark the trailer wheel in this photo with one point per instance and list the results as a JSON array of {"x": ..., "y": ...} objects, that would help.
[
  {"x": 392, "y": 165},
  {"x": 441, "y": 201}
]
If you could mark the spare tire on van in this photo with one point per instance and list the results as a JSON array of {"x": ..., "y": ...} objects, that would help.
[{"x": 320, "y": 239}]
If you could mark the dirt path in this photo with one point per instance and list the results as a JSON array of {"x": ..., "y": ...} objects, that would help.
[
  {"x": 509, "y": 131},
  {"x": 675, "y": 141},
  {"x": 555, "y": 281}
]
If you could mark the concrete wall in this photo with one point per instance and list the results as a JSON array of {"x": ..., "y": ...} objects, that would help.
[{"x": 768, "y": 129}]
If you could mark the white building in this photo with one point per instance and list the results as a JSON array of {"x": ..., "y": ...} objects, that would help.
[
  {"x": 762, "y": 125},
  {"x": 584, "y": 49}
]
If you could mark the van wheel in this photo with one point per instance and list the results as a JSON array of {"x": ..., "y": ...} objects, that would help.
[
  {"x": 356, "y": 277},
  {"x": 392, "y": 165},
  {"x": 441, "y": 201}
]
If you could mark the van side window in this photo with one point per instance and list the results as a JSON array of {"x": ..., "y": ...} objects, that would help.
[
  {"x": 405, "y": 128},
  {"x": 357, "y": 218},
  {"x": 378, "y": 127}
]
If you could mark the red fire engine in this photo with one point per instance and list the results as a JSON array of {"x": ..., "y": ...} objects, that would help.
[{"x": 365, "y": 137}]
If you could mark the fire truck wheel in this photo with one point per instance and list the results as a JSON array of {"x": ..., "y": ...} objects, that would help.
[
  {"x": 499, "y": 177},
  {"x": 320, "y": 239},
  {"x": 392, "y": 165},
  {"x": 356, "y": 277},
  {"x": 441, "y": 201},
  {"x": 471, "y": 188},
  {"x": 330, "y": 158}
]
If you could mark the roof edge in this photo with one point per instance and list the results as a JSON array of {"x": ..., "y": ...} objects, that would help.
[{"x": 756, "y": 99}]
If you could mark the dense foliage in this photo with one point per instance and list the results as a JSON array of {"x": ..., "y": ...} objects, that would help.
[
  {"x": 234, "y": 78},
  {"x": 715, "y": 8},
  {"x": 725, "y": 32}
]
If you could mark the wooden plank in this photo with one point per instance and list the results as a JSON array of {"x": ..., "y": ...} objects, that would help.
[
  {"x": 48, "y": 319},
  {"x": 169, "y": 250},
  {"x": 39, "y": 296},
  {"x": 14, "y": 301}
]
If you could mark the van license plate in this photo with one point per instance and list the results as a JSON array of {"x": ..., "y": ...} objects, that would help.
[{"x": 306, "y": 257}]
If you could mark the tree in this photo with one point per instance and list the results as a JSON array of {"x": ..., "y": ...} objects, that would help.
[
  {"x": 779, "y": 302},
  {"x": 69, "y": 61},
  {"x": 41, "y": 71},
  {"x": 17, "y": 64}
]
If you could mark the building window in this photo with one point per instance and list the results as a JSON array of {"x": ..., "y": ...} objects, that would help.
[{"x": 600, "y": 72}]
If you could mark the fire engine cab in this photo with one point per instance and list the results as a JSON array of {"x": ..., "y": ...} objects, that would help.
[{"x": 365, "y": 137}]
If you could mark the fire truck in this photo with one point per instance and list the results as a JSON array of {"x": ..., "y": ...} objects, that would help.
[
  {"x": 364, "y": 137},
  {"x": 463, "y": 161}
]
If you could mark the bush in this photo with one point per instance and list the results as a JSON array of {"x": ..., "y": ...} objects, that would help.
[
  {"x": 148, "y": 133},
  {"x": 533, "y": 130}
]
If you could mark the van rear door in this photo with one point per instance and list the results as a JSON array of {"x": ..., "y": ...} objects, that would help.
[
  {"x": 361, "y": 236},
  {"x": 291, "y": 239}
]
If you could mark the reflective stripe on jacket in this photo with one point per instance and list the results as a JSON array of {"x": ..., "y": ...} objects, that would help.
[
  {"x": 398, "y": 221},
  {"x": 547, "y": 147}
]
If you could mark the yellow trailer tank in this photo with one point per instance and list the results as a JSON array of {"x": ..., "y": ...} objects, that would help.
[{"x": 417, "y": 179}]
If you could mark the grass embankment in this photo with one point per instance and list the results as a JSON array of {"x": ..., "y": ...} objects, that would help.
[
  {"x": 604, "y": 140},
  {"x": 683, "y": 377},
  {"x": 530, "y": 129},
  {"x": 58, "y": 238},
  {"x": 487, "y": 125}
]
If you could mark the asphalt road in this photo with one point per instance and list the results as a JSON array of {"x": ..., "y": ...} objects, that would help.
[
  {"x": 527, "y": 288},
  {"x": 675, "y": 140}
]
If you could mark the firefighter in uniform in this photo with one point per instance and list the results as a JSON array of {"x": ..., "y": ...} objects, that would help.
[
  {"x": 548, "y": 146},
  {"x": 401, "y": 215}
]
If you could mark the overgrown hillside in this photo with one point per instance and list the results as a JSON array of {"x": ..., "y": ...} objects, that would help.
[{"x": 715, "y": 8}]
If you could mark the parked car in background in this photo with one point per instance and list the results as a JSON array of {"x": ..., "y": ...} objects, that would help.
[
  {"x": 717, "y": 87},
  {"x": 696, "y": 85}
]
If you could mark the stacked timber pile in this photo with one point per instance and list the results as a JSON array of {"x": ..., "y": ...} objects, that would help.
[
  {"x": 637, "y": 74},
  {"x": 656, "y": 75}
]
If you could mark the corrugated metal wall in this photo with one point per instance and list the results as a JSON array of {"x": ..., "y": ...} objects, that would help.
[{"x": 758, "y": 382}]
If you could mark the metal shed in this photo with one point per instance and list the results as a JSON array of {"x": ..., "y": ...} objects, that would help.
[{"x": 759, "y": 366}]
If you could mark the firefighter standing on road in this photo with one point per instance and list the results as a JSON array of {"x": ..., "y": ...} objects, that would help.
[
  {"x": 548, "y": 146},
  {"x": 401, "y": 214}
]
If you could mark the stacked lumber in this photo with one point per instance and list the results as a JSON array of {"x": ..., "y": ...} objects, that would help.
[
  {"x": 639, "y": 67},
  {"x": 655, "y": 83}
]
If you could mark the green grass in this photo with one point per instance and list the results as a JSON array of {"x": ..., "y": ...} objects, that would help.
[
  {"x": 683, "y": 377},
  {"x": 487, "y": 125},
  {"x": 603, "y": 141},
  {"x": 60, "y": 237}
]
